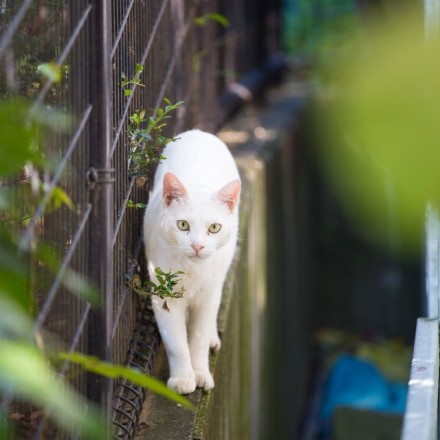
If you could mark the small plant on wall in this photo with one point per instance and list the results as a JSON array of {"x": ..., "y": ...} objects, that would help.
[
  {"x": 146, "y": 140},
  {"x": 145, "y": 133}
]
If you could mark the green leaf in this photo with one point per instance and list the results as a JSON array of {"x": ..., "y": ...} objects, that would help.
[
  {"x": 16, "y": 138},
  {"x": 80, "y": 286},
  {"x": 57, "y": 120},
  {"x": 24, "y": 371},
  {"x": 144, "y": 135},
  {"x": 127, "y": 92},
  {"x": 94, "y": 365},
  {"x": 139, "y": 68},
  {"x": 59, "y": 198},
  {"x": 13, "y": 273},
  {"x": 6, "y": 431},
  {"x": 50, "y": 71},
  {"x": 219, "y": 18},
  {"x": 14, "y": 321},
  {"x": 159, "y": 271}
]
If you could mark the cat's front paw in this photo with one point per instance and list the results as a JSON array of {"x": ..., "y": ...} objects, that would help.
[
  {"x": 204, "y": 379},
  {"x": 182, "y": 385}
]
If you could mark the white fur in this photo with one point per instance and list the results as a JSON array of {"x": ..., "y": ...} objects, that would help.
[{"x": 203, "y": 165}]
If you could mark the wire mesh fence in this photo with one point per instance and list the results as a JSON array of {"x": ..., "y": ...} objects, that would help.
[{"x": 181, "y": 50}]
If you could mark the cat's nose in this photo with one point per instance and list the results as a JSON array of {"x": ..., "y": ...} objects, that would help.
[{"x": 197, "y": 248}]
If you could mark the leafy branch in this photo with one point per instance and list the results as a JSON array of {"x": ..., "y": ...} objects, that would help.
[
  {"x": 165, "y": 288},
  {"x": 145, "y": 137},
  {"x": 97, "y": 366},
  {"x": 213, "y": 16},
  {"x": 131, "y": 204},
  {"x": 134, "y": 81}
]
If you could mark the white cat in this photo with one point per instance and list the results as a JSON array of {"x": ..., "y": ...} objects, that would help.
[{"x": 191, "y": 225}]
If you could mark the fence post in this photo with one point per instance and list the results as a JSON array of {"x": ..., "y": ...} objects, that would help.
[{"x": 100, "y": 179}]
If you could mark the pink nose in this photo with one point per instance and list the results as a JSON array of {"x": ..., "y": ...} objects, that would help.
[{"x": 197, "y": 248}]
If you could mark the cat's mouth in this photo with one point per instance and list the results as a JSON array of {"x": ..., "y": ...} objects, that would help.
[{"x": 199, "y": 256}]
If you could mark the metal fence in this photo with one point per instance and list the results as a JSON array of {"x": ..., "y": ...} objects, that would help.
[{"x": 94, "y": 43}]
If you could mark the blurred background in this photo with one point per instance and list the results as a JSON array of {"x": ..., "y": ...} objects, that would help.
[{"x": 337, "y": 101}]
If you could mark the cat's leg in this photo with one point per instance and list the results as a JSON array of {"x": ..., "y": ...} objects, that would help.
[
  {"x": 202, "y": 324},
  {"x": 172, "y": 327}
]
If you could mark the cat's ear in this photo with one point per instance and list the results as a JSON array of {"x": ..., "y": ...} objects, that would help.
[
  {"x": 173, "y": 189},
  {"x": 230, "y": 194}
]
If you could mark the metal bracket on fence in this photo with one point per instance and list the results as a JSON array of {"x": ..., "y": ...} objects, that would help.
[{"x": 99, "y": 175}]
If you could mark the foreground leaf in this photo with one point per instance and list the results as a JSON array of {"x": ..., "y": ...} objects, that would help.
[
  {"x": 219, "y": 18},
  {"x": 94, "y": 365},
  {"x": 25, "y": 373},
  {"x": 15, "y": 141}
]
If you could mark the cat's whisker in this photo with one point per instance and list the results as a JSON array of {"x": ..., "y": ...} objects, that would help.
[{"x": 232, "y": 281}]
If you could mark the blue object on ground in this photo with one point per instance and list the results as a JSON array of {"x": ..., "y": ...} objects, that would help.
[{"x": 358, "y": 383}]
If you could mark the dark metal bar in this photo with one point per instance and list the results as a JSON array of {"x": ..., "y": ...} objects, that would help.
[
  {"x": 127, "y": 415},
  {"x": 142, "y": 62},
  {"x": 130, "y": 403},
  {"x": 67, "y": 48},
  {"x": 125, "y": 289},
  {"x": 74, "y": 343},
  {"x": 121, "y": 29},
  {"x": 58, "y": 279},
  {"x": 124, "y": 428},
  {"x": 122, "y": 211},
  {"x": 101, "y": 197},
  {"x": 138, "y": 391},
  {"x": 13, "y": 26},
  {"x": 182, "y": 33},
  {"x": 128, "y": 393}
]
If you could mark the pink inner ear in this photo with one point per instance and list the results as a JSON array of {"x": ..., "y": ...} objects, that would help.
[
  {"x": 230, "y": 193},
  {"x": 173, "y": 188}
]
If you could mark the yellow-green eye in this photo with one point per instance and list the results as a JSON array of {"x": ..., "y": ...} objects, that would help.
[
  {"x": 214, "y": 228},
  {"x": 183, "y": 225}
]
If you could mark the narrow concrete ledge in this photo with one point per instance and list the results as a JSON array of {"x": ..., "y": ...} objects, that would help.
[{"x": 234, "y": 408}]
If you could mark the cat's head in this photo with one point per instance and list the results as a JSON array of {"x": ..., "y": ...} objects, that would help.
[{"x": 197, "y": 224}]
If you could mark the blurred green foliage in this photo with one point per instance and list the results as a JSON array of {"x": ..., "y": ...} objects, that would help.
[
  {"x": 25, "y": 372},
  {"x": 319, "y": 32},
  {"x": 213, "y": 16},
  {"x": 16, "y": 137},
  {"x": 378, "y": 129},
  {"x": 97, "y": 366}
]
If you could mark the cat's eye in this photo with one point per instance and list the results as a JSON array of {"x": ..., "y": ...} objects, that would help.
[
  {"x": 183, "y": 225},
  {"x": 214, "y": 228}
]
